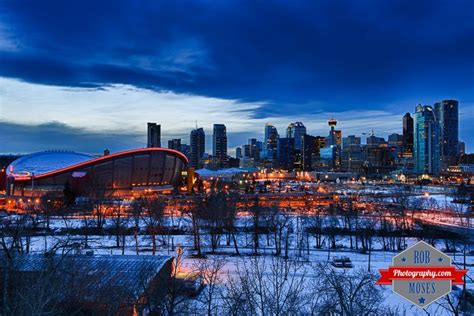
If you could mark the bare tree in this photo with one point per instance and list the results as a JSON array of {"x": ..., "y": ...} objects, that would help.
[
  {"x": 230, "y": 219},
  {"x": 278, "y": 222},
  {"x": 341, "y": 293},
  {"x": 214, "y": 216},
  {"x": 49, "y": 206},
  {"x": 316, "y": 227},
  {"x": 153, "y": 217},
  {"x": 209, "y": 271},
  {"x": 331, "y": 228},
  {"x": 455, "y": 303},
  {"x": 120, "y": 223},
  {"x": 24, "y": 297},
  {"x": 367, "y": 229},
  {"x": 274, "y": 288},
  {"x": 136, "y": 210},
  {"x": 87, "y": 224},
  {"x": 12, "y": 231},
  {"x": 195, "y": 214},
  {"x": 256, "y": 212},
  {"x": 35, "y": 295},
  {"x": 176, "y": 300}
]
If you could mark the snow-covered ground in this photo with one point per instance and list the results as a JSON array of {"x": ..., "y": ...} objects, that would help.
[{"x": 379, "y": 259}]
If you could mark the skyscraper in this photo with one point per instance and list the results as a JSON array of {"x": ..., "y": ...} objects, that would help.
[
  {"x": 219, "y": 146},
  {"x": 352, "y": 155},
  {"x": 286, "y": 153},
  {"x": 426, "y": 141},
  {"x": 375, "y": 141},
  {"x": 447, "y": 114},
  {"x": 395, "y": 142},
  {"x": 246, "y": 150},
  {"x": 407, "y": 138},
  {"x": 296, "y": 130},
  {"x": 461, "y": 148},
  {"x": 238, "y": 152},
  {"x": 175, "y": 144},
  {"x": 154, "y": 135},
  {"x": 254, "y": 149},
  {"x": 197, "y": 142},
  {"x": 186, "y": 150},
  {"x": 311, "y": 151},
  {"x": 270, "y": 142}
]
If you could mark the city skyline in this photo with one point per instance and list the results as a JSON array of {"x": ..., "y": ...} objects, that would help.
[
  {"x": 367, "y": 66},
  {"x": 234, "y": 141}
]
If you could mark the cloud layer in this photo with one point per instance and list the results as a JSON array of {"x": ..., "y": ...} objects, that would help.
[
  {"x": 107, "y": 67},
  {"x": 40, "y": 117}
]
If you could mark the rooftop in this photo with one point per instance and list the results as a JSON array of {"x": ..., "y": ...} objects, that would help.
[
  {"x": 45, "y": 161},
  {"x": 127, "y": 273}
]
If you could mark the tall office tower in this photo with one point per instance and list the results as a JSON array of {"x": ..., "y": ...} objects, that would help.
[
  {"x": 407, "y": 136},
  {"x": 296, "y": 130},
  {"x": 332, "y": 140},
  {"x": 238, "y": 152},
  {"x": 319, "y": 142},
  {"x": 154, "y": 135},
  {"x": 270, "y": 142},
  {"x": 426, "y": 138},
  {"x": 311, "y": 152},
  {"x": 352, "y": 155},
  {"x": 246, "y": 150},
  {"x": 254, "y": 149},
  {"x": 461, "y": 148},
  {"x": 374, "y": 141},
  {"x": 197, "y": 141},
  {"x": 219, "y": 146},
  {"x": 349, "y": 141},
  {"x": 286, "y": 153},
  {"x": 309, "y": 148},
  {"x": 395, "y": 142},
  {"x": 447, "y": 114},
  {"x": 186, "y": 150},
  {"x": 175, "y": 144}
]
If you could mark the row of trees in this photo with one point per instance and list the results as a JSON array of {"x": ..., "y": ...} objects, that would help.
[
  {"x": 214, "y": 220},
  {"x": 277, "y": 286}
]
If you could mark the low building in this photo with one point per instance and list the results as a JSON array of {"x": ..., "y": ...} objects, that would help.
[
  {"x": 86, "y": 284},
  {"x": 461, "y": 171}
]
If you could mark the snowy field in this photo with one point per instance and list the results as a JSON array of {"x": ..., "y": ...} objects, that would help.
[
  {"x": 65, "y": 233},
  {"x": 308, "y": 257}
]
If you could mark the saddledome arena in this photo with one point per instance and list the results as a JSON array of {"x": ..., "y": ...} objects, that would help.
[{"x": 122, "y": 174}]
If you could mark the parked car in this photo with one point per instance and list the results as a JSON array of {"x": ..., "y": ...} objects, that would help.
[{"x": 342, "y": 262}]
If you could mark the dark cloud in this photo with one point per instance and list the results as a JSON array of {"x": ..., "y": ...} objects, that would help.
[
  {"x": 18, "y": 138},
  {"x": 299, "y": 57},
  {"x": 339, "y": 53},
  {"x": 21, "y": 139}
]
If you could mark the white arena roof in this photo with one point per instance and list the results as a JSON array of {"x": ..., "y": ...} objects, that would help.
[{"x": 46, "y": 161}]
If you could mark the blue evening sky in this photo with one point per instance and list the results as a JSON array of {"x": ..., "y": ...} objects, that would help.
[{"x": 85, "y": 75}]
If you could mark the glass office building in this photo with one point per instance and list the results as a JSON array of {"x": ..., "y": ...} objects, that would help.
[{"x": 426, "y": 141}]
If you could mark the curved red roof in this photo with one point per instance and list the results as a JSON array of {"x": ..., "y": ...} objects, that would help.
[{"x": 105, "y": 158}]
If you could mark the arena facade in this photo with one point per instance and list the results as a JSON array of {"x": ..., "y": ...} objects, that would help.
[{"x": 122, "y": 174}]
